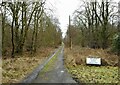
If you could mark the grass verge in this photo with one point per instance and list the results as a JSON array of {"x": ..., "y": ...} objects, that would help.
[
  {"x": 50, "y": 65},
  {"x": 92, "y": 74},
  {"x": 14, "y": 70},
  {"x": 75, "y": 63}
]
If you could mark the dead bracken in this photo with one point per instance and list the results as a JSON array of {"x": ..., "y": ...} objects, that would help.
[{"x": 75, "y": 63}]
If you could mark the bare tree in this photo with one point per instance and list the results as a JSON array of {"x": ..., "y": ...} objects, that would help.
[{"x": 94, "y": 21}]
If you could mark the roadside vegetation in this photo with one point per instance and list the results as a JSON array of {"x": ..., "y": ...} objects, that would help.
[
  {"x": 30, "y": 32},
  {"x": 15, "y": 70},
  {"x": 94, "y": 31},
  {"x": 75, "y": 61},
  {"x": 50, "y": 65}
]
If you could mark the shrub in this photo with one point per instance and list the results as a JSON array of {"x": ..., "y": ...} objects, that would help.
[{"x": 116, "y": 44}]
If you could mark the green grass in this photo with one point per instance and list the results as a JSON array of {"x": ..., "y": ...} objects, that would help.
[
  {"x": 50, "y": 65},
  {"x": 107, "y": 73},
  {"x": 94, "y": 74}
]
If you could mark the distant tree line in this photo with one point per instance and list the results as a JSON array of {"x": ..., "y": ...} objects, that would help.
[
  {"x": 27, "y": 26},
  {"x": 96, "y": 25}
]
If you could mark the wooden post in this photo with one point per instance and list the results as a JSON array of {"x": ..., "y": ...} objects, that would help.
[
  {"x": 70, "y": 38},
  {"x": 119, "y": 17}
]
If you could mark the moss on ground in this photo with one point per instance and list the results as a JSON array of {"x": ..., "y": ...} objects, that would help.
[
  {"x": 94, "y": 74},
  {"x": 91, "y": 74},
  {"x": 50, "y": 65}
]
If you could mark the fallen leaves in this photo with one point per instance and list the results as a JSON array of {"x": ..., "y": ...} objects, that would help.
[
  {"x": 14, "y": 70},
  {"x": 80, "y": 54}
]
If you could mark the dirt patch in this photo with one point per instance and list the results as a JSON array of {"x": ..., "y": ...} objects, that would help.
[{"x": 78, "y": 61}]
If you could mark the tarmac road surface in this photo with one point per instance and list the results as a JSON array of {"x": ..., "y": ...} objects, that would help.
[{"x": 58, "y": 74}]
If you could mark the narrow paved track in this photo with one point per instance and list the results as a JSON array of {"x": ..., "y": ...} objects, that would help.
[{"x": 58, "y": 74}]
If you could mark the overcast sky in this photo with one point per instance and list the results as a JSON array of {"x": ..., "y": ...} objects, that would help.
[{"x": 63, "y": 8}]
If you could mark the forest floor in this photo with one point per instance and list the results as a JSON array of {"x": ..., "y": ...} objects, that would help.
[
  {"x": 15, "y": 69},
  {"x": 76, "y": 65}
]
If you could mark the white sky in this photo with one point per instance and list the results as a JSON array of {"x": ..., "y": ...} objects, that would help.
[{"x": 64, "y": 8}]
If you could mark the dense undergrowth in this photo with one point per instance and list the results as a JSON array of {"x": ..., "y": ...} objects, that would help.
[
  {"x": 15, "y": 69},
  {"x": 106, "y": 73}
]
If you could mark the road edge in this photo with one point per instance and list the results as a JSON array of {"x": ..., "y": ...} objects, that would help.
[{"x": 30, "y": 77}]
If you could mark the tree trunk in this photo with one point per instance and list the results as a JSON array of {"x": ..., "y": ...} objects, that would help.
[
  {"x": 16, "y": 31},
  {"x": 33, "y": 35},
  {"x": 12, "y": 33},
  {"x": 3, "y": 31},
  {"x": 36, "y": 34},
  {"x": 19, "y": 46}
]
